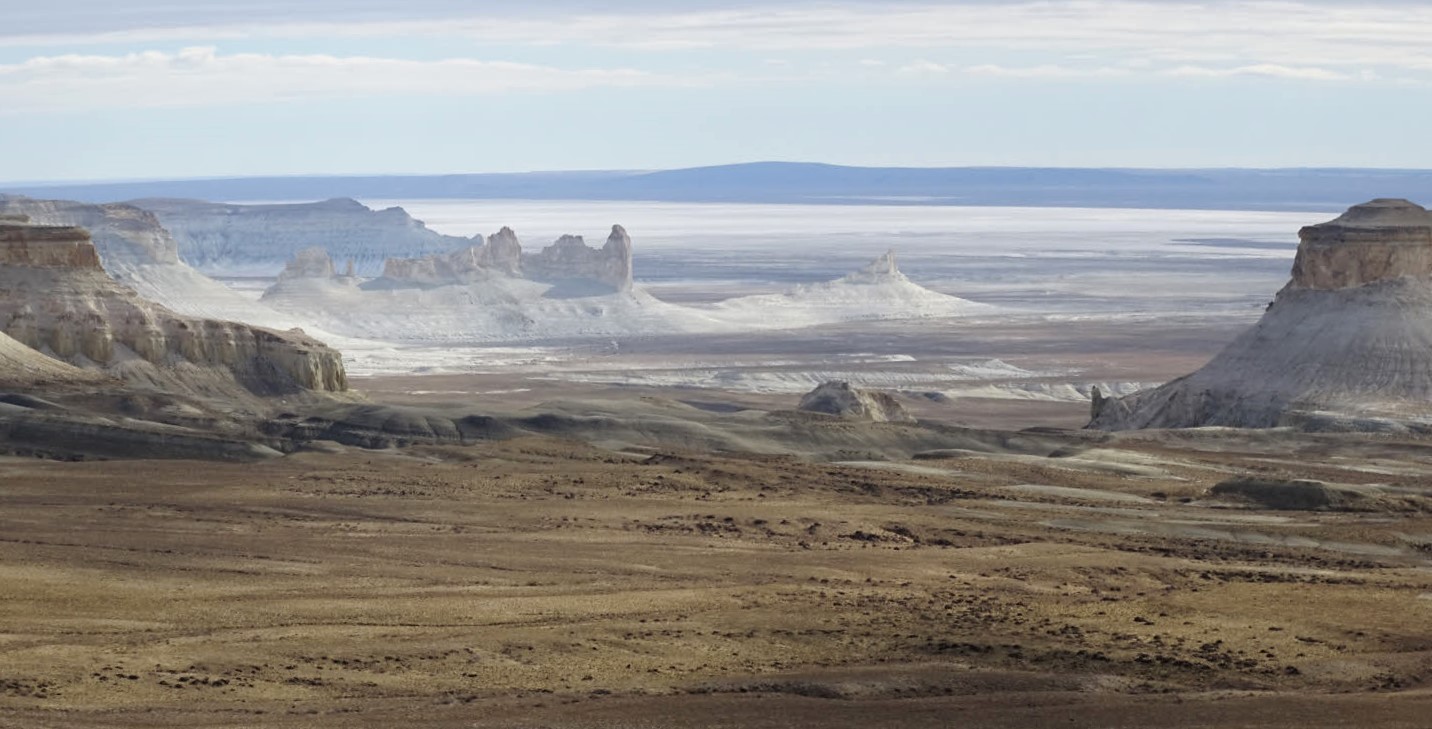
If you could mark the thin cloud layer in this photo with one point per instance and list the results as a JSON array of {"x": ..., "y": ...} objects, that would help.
[
  {"x": 199, "y": 76},
  {"x": 1345, "y": 36}
]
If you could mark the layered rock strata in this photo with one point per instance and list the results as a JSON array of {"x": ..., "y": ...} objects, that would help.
[
  {"x": 229, "y": 238},
  {"x": 122, "y": 235},
  {"x": 1346, "y": 344},
  {"x": 56, "y": 298}
]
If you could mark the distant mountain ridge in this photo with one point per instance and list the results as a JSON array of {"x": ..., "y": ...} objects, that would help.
[{"x": 814, "y": 183}]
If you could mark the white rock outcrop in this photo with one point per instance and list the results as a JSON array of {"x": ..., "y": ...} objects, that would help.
[
  {"x": 258, "y": 239},
  {"x": 844, "y": 400},
  {"x": 568, "y": 261},
  {"x": 1347, "y": 340},
  {"x": 309, "y": 263}
]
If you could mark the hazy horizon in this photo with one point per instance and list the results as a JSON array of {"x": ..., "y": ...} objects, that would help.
[{"x": 218, "y": 90}]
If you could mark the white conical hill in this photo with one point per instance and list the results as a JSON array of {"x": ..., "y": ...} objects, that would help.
[{"x": 877, "y": 290}]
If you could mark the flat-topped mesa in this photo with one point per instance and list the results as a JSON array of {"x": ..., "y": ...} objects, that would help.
[
  {"x": 1381, "y": 240},
  {"x": 43, "y": 246},
  {"x": 570, "y": 258},
  {"x": 123, "y": 235},
  {"x": 1347, "y": 344},
  {"x": 55, "y": 298}
]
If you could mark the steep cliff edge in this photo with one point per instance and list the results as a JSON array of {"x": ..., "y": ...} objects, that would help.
[
  {"x": 123, "y": 235},
  {"x": 56, "y": 298},
  {"x": 571, "y": 259},
  {"x": 260, "y": 239},
  {"x": 1346, "y": 344},
  {"x": 139, "y": 253}
]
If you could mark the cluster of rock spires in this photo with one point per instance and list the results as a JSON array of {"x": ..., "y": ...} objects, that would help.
[
  {"x": 567, "y": 260},
  {"x": 1346, "y": 344},
  {"x": 56, "y": 299}
]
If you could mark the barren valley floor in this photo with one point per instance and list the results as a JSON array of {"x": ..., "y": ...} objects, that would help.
[{"x": 540, "y": 582}]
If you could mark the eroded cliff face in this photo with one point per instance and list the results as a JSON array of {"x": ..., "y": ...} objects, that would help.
[
  {"x": 1382, "y": 240},
  {"x": 571, "y": 258},
  {"x": 122, "y": 235},
  {"x": 227, "y": 238},
  {"x": 22, "y": 244},
  {"x": 1347, "y": 343},
  {"x": 56, "y": 298}
]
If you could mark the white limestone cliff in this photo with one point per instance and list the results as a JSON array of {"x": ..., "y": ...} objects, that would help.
[{"x": 222, "y": 238}]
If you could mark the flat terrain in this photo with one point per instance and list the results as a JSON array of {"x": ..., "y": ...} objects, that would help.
[{"x": 541, "y": 582}]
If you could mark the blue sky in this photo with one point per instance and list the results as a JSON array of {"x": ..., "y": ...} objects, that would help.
[{"x": 155, "y": 89}]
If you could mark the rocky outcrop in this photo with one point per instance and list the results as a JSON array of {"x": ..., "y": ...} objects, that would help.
[
  {"x": 140, "y": 254},
  {"x": 309, "y": 263},
  {"x": 500, "y": 255},
  {"x": 1345, "y": 345},
  {"x": 570, "y": 258},
  {"x": 1307, "y": 495},
  {"x": 567, "y": 260},
  {"x": 22, "y": 244},
  {"x": 502, "y": 252},
  {"x": 122, "y": 235},
  {"x": 1382, "y": 240},
  {"x": 260, "y": 239},
  {"x": 55, "y": 298},
  {"x": 843, "y": 400}
]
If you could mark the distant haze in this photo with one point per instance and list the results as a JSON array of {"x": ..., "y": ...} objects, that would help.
[
  {"x": 158, "y": 89},
  {"x": 1323, "y": 190}
]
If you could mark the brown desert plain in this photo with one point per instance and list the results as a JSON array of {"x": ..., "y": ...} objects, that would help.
[{"x": 542, "y": 582}]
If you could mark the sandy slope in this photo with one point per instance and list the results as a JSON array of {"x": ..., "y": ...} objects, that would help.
[{"x": 20, "y": 364}]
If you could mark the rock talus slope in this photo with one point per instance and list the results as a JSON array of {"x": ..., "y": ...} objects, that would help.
[
  {"x": 57, "y": 299},
  {"x": 1346, "y": 344}
]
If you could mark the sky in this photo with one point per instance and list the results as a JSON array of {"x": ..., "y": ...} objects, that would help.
[{"x": 151, "y": 89}]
